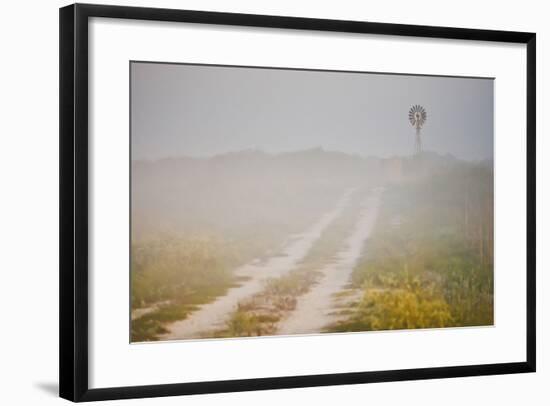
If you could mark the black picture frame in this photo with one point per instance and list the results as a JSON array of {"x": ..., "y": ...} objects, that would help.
[{"x": 73, "y": 252}]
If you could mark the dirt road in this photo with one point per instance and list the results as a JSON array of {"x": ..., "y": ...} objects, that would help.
[
  {"x": 214, "y": 315},
  {"x": 313, "y": 310}
]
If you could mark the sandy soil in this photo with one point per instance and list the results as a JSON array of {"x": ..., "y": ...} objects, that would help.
[{"x": 313, "y": 310}]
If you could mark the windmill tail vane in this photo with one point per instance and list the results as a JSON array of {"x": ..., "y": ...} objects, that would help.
[{"x": 417, "y": 118}]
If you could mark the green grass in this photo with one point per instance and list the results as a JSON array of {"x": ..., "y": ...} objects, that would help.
[
  {"x": 180, "y": 274},
  {"x": 436, "y": 268}
]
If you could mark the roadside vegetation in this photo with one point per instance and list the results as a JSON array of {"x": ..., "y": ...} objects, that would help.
[
  {"x": 172, "y": 276},
  {"x": 429, "y": 262}
]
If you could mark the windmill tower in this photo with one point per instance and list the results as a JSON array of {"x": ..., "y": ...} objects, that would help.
[{"x": 417, "y": 117}]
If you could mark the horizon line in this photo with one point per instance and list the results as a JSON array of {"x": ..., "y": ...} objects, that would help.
[{"x": 318, "y": 148}]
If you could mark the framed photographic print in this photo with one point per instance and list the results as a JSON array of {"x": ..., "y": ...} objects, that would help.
[{"x": 257, "y": 202}]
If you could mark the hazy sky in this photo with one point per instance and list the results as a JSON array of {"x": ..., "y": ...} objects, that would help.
[{"x": 203, "y": 110}]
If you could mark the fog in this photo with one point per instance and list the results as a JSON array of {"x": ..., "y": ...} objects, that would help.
[{"x": 269, "y": 202}]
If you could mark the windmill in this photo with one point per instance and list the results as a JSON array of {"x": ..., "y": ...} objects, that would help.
[{"x": 417, "y": 117}]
